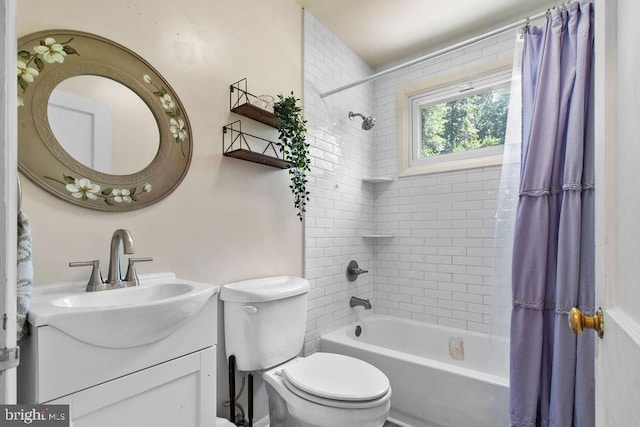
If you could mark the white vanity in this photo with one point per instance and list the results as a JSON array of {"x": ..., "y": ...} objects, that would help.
[{"x": 133, "y": 357}]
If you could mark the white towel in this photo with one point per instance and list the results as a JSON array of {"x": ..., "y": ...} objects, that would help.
[{"x": 24, "y": 274}]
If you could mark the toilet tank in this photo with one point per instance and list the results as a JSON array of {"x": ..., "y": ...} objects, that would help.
[{"x": 264, "y": 320}]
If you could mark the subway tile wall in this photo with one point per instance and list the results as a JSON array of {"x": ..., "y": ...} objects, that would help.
[
  {"x": 438, "y": 266},
  {"x": 341, "y": 208}
]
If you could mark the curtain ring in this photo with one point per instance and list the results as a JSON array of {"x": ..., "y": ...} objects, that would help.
[{"x": 525, "y": 29}]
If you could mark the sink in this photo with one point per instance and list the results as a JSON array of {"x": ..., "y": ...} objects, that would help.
[
  {"x": 120, "y": 318},
  {"x": 124, "y": 297}
]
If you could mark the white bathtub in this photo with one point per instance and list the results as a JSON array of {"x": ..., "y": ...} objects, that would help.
[{"x": 440, "y": 376}]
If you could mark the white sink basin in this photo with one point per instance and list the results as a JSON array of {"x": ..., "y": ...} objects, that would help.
[
  {"x": 124, "y": 297},
  {"x": 119, "y": 318}
]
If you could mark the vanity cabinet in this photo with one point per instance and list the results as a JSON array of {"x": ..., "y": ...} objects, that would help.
[
  {"x": 175, "y": 393},
  {"x": 167, "y": 383}
]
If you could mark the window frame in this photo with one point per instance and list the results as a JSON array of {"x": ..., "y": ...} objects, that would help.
[{"x": 493, "y": 74}]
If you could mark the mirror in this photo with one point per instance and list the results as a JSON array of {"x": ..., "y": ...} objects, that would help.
[
  {"x": 97, "y": 125},
  {"x": 89, "y": 116}
]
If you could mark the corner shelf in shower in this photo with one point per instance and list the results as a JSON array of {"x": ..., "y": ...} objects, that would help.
[
  {"x": 377, "y": 179},
  {"x": 237, "y": 144},
  {"x": 242, "y": 102}
]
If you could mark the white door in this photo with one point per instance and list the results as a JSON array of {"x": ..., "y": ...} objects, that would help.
[
  {"x": 618, "y": 211},
  {"x": 8, "y": 194},
  {"x": 83, "y": 127}
]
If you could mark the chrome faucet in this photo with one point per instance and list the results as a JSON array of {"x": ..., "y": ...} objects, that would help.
[
  {"x": 114, "y": 278},
  {"x": 355, "y": 301}
]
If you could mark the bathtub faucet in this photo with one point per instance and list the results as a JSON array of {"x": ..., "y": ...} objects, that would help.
[
  {"x": 355, "y": 301},
  {"x": 353, "y": 270}
]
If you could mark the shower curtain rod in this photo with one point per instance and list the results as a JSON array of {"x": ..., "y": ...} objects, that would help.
[{"x": 440, "y": 52}]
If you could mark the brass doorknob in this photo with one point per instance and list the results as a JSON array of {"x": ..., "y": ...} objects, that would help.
[{"x": 578, "y": 321}]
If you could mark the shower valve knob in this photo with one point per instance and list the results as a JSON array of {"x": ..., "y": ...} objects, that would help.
[{"x": 353, "y": 270}]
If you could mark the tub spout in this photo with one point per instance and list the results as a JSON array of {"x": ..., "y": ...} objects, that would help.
[{"x": 355, "y": 301}]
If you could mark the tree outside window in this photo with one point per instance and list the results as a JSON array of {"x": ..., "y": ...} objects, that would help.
[{"x": 464, "y": 124}]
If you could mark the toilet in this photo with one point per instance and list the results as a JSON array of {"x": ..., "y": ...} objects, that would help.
[
  {"x": 221, "y": 422},
  {"x": 264, "y": 327}
]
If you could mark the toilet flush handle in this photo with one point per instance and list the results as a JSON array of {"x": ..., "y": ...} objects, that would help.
[{"x": 251, "y": 309}]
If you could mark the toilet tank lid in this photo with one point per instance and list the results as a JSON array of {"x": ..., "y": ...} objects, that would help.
[{"x": 264, "y": 289}]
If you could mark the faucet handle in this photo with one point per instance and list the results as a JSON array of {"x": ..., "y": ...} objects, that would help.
[
  {"x": 96, "y": 283},
  {"x": 353, "y": 270},
  {"x": 131, "y": 278}
]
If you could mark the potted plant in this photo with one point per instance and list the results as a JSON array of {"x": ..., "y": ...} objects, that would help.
[{"x": 293, "y": 145}]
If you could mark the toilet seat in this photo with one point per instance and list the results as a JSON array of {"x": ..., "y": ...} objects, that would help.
[
  {"x": 336, "y": 380},
  {"x": 342, "y": 404}
]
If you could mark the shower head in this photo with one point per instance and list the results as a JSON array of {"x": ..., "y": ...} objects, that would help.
[{"x": 367, "y": 122}]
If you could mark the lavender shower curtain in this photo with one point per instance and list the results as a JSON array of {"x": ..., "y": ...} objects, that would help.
[{"x": 552, "y": 372}]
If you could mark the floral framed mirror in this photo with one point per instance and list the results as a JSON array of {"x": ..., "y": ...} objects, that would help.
[{"x": 98, "y": 126}]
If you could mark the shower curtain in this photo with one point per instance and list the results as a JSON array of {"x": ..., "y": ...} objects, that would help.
[
  {"x": 500, "y": 305},
  {"x": 552, "y": 372}
]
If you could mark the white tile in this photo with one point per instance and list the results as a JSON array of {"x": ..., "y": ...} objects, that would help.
[{"x": 441, "y": 257}]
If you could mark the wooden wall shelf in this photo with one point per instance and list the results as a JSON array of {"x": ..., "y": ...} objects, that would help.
[
  {"x": 238, "y": 144},
  {"x": 254, "y": 157},
  {"x": 242, "y": 145},
  {"x": 256, "y": 113},
  {"x": 244, "y": 103}
]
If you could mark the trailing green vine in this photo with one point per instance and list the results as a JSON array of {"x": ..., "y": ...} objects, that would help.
[{"x": 295, "y": 150}]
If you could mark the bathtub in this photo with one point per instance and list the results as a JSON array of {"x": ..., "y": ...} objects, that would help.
[{"x": 439, "y": 376}]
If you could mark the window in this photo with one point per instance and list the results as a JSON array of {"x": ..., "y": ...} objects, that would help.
[{"x": 453, "y": 123}]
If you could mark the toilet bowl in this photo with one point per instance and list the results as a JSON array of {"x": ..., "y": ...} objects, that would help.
[
  {"x": 221, "y": 422},
  {"x": 264, "y": 323},
  {"x": 327, "y": 390}
]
